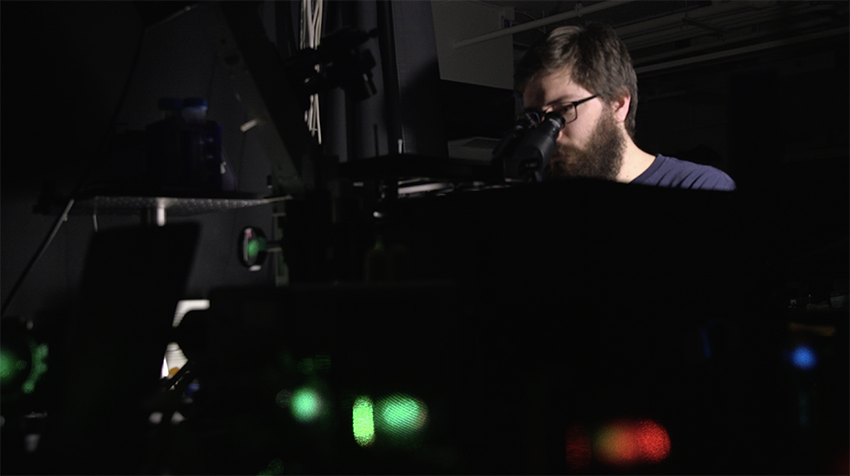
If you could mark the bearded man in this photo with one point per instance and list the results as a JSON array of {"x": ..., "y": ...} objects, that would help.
[{"x": 585, "y": 73}]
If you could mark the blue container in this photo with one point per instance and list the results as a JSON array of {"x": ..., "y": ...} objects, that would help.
[{"x": 184, "y": 150}]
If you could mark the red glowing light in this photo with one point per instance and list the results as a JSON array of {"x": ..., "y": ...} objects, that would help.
[
  {"x": 841, "y": 465},
  {"x": 653, "y": 441},
  {"x": 626, "y": 443},
  {"x": 578, "y": 448}
]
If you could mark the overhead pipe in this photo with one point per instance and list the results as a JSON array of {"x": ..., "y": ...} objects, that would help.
[
  {"x": 661, "y": 24},
  {"x": 677, "y": 33},
  {"x": 724, "y": 15},
  {"x": 644, "y": 60},
  {"x": 579, "y": 11},
  {"x": 672, "y": 20},
  {"x": 742, "y": 50}
]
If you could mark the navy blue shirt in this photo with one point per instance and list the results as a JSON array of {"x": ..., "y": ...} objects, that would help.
[{"x": 670, "y": 172}]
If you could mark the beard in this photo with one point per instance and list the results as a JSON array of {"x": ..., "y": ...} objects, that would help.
[{"x": 601, "y": 158}]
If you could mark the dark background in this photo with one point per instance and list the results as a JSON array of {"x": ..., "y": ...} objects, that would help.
[
  {"x": 65, "y": 67},
  {"x": 776, "y": 121}
]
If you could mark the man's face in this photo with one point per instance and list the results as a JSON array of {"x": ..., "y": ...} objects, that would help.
[{"x": 590, "y": 146}]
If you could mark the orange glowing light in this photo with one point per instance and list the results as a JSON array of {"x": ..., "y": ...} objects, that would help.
[{"x": 630, "y": 442}]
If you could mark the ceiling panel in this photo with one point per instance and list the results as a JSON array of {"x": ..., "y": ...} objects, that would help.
[{"x": 664, "y": 32}]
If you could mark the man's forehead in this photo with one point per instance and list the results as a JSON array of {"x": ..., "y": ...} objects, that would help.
[{"x": 548, "y": 88}]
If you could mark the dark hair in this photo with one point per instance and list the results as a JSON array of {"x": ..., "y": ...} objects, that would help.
[{"x": 598, "y": 59}]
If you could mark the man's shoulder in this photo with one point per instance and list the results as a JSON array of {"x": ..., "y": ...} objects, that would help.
[{"x": 672, "y": 172}]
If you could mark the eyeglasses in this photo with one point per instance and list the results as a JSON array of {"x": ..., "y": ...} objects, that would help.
[{"x": 566, "y": 109}]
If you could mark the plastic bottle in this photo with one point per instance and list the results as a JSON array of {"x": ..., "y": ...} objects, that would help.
[
  {"x": 210, "y": 170},
  {"x": 185, "y": 150}
]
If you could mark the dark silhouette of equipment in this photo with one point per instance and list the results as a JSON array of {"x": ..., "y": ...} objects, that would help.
[{"x": 525, "y": 151}]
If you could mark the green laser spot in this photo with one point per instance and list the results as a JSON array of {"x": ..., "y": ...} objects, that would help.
[
  {"x": 363, "y": 421},
  {"x": 306, "y": 405},
  {"x": 402, "y": 415},
  {"x": 10, "y": 366}
]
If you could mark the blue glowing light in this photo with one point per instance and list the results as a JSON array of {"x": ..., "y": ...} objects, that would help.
[{"x": 804, "y": 358}]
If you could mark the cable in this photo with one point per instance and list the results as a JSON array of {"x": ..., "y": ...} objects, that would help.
[
  {"x": 312, "y": 15},
  {"x": 61, "y": 219},
  {"x": 81, "y": 183},
  {"x": 318, "y": 32}
]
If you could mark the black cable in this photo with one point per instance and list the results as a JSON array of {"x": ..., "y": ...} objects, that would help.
[
  {"x": 61, "y": 219},
  {"x": 98, "y": 159}
]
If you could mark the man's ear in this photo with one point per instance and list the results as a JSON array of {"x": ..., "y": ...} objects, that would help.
[{"x": 620, "y": 106}]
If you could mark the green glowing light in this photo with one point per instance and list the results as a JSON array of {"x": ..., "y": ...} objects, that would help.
[
  {"x": 39, "y": 367},
  {"x": 253, "y": 248},
  {"x": 363, "y": 421},
  {"x": 275, "y": 467},
  {"x": 306, "y": 405},
  {"x": 402, "y": 416},
  {"x": 10, "y": 366}
]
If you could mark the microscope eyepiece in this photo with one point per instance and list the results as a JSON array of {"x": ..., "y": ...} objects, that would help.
[{"x": 533, "y": 139}]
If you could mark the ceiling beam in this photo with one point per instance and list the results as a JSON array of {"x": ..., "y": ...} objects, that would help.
[{"x": 579, "y": 11}]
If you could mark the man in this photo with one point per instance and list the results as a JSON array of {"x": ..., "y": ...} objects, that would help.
[{"x": 586, "y": 74}]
